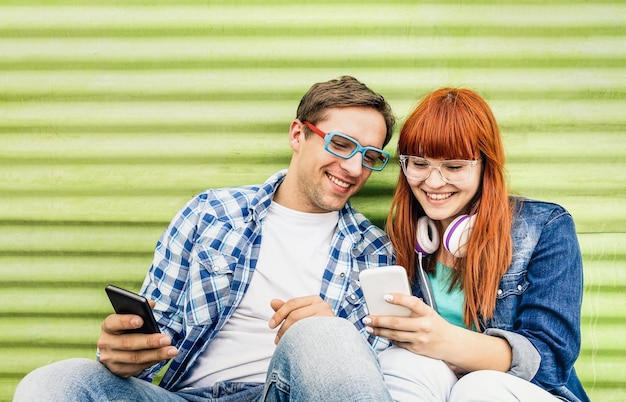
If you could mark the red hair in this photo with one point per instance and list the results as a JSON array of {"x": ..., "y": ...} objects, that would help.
[{"x": 455, "y": 123}]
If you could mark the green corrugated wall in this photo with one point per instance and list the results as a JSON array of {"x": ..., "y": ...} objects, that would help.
[{"x": 114, "y": 113}]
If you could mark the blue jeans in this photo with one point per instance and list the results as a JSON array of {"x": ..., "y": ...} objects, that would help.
[{"x": 318, "y": 359}]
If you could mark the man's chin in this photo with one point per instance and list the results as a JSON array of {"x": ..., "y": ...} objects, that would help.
[{"x": 331, "y": 204}]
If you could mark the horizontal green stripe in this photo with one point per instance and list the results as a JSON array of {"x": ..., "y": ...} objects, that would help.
[
  {"x": 69, "y": 96},
  {"x": 266, "y": 84},
  {"x": 346, "y": 64},
  {"x": 171, "y": 16},
  {"x": 270, "y": 3},
  {"x": 241, "y": 128},
  {"x": 254, "y": 31},
  {"x": 54, "y": 115}
]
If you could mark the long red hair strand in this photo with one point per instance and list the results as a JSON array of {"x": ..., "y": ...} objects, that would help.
[{"x": 454, "y": 123}]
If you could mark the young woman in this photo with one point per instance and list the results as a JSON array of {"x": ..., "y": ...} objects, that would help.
[{"x": 497, "y": 280}]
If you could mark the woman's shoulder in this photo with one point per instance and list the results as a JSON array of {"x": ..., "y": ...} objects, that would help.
[{"x": 540, "y": 211}]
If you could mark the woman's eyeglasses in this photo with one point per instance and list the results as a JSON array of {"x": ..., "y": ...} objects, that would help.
[{"x": 451, "y": 171}]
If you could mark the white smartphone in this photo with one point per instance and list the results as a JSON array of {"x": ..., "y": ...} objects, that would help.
[{"x": 377, "y": 282}]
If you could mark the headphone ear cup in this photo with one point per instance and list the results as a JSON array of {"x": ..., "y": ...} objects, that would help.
[
  {"x": 427, "y": 239},
  {"x": 457, "y": 235}
]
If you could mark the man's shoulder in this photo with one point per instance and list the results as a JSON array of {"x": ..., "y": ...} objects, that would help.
[
  {"x": 240, "y": 196},
  {"x": 363, "y": 223},
  {"x": 371, "y": 236}
]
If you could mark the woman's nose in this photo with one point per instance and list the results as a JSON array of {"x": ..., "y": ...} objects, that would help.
[{"x": 435, "y": 178}]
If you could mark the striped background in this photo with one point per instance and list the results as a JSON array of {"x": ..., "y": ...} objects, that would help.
[{"x": 113, "y": 115}]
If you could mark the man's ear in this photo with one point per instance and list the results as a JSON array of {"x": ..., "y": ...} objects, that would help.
[{"x": 296, "y": 134}]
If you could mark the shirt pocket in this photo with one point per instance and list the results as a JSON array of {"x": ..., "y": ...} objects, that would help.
[
  {"x": 512, "y": 284},
  {"x": 508, "y": 299},
  {"x": 210, "y": 278},
  {"x": 353, "y": 304}
]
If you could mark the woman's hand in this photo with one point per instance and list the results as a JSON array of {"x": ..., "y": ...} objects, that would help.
[{"x": 427, "y": 333}]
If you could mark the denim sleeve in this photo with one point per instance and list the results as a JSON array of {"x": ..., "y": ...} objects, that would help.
[
  {"x": 548, "y": 315},
  {"x": 525, "y": 360}
]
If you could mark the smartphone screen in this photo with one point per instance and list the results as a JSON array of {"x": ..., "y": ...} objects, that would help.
[
  {"x": 377, "y": 282},
  {"x": 127, "y": 302}
]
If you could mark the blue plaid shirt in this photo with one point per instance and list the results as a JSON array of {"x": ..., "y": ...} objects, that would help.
[{"x": 204, "y": 262}]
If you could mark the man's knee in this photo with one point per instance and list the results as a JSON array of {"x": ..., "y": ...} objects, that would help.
[
  {"x": 324, "y": 335},
  {"x": 55, "y": 381}
]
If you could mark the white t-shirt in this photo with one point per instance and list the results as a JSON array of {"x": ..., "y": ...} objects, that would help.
[{"x": 293, "y": 255}]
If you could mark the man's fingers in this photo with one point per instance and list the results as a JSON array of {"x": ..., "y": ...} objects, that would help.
[
  {"x": 128, "y": 363},
  {"x": 317, "y": 308},
  {"x": 276, "y": 304},
  {"x": 285, "y": 308},
  {"x": 119, "y": 323},
  {"x": 134, "y": 341}
]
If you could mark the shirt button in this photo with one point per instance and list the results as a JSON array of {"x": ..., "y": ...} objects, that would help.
[
  {"x": 519, "y": 287},
  {"x": 499, "y": 291},
  {"x": 352, "y": 297}
]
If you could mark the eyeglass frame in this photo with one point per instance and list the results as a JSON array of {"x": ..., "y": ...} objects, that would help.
[
  {"x": 468, "y": 162},
  {"x": 359, "y": 148}
]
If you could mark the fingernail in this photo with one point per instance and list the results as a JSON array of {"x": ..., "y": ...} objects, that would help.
[
  {"x": 165, "y": 341},
  {"x": 172, "y": 352},
  {"x": 369, "y": 330},
  {"x": 272, "y": 323},
  {"x": 135, "y": 322},
  {"x": 388, "y": 298},
  {"x": 366, "y": 321}
]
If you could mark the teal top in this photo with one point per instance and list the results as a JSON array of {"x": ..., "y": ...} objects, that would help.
[{"x": 449, "y": 302}]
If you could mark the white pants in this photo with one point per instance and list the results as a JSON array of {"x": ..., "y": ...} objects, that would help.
[{"x": 411, "y": 378}]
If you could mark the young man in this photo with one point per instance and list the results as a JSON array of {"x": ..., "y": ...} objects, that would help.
[{"x": 249, "y": 282}]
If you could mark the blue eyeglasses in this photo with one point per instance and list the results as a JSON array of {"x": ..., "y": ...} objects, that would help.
[{"x": 345, "y": 147}]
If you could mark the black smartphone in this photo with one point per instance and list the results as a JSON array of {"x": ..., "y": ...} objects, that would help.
[{"x": 127, "y": 302}]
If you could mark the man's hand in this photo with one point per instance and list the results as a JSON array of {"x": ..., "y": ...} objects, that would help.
[
  {"x": 287, "y": 313},
  {"x": 125, "y": 354}
]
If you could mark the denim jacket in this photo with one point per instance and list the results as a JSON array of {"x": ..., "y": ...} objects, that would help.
[{"x": 539, "y": 299}]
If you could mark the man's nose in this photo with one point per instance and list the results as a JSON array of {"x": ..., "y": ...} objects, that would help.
[{"x": 354, "y": 164}]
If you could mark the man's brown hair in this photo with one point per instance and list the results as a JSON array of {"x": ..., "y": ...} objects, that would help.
[{"x": 346, "y": 91}]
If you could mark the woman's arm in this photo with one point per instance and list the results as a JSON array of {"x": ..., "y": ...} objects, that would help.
[
  {"x": 425, "y": 332},
  {"x": 539, "y": 340}
]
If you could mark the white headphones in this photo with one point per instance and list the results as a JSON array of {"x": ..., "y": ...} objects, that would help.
[{"x": 455, "y": 237}]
